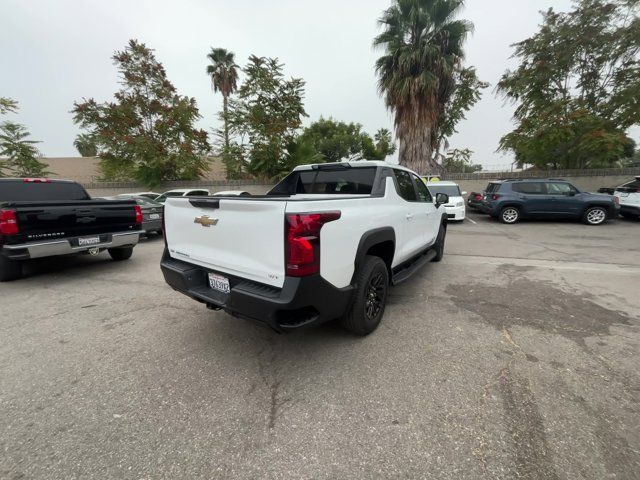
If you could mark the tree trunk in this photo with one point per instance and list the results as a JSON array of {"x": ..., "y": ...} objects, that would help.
[
  {"x": 226, "y": 123},
  {"x": 415, "y": 150}
]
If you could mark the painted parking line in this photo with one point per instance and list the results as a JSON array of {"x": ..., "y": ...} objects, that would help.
[{"x": 472, "y": 221}]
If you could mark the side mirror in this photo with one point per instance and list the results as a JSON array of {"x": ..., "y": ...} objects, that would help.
[
  {"x": 441, "y": 199},
  {"x": 463, "y": 193}
]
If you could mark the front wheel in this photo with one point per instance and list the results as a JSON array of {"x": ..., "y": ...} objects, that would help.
[
  {"x": 370, "y": 297},
  {"x": 594, "y": 216},
  {"x": 119, "y": 254}
]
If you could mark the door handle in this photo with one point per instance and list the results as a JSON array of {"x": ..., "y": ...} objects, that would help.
[{"x": 409, "y": 216}]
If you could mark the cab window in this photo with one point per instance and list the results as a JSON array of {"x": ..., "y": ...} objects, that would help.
[
  {"x": 421, "y": 189},
  {"x": 404, "y": 185}
]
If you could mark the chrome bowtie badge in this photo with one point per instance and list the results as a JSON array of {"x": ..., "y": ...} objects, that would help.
[{"x": 206, "y": 221}]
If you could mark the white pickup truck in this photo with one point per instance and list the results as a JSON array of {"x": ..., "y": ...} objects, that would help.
[{"x": 325, "y": 243}]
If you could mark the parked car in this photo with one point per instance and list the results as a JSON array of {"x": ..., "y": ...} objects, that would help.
[
  {"x": 152, "y": 213},
  {"x": 474, "y": 200},
  {"x": 42, "y": 218},
  {"x": 513, "y": 200},
  {"x": 232, "y": 193},
  {"x": 351, "y": 230},
  {"x": 628, "y": 196},
  {"x": 455, "y": 208},
  {"x": 182, "y": 192},
  {"x": 149, "y": 195}
]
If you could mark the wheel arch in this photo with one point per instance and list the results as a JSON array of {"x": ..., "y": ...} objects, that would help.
[{"x": 379, "y": 242}]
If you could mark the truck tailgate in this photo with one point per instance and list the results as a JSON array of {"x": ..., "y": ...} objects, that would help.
[
  {"x": 244, "y": 238},
  {"x": 63, "y": 219}
]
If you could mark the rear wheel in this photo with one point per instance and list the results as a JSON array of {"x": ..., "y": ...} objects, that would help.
[
  {"x": 119, "y": 254},
  {"x": 509, "y": 215},
  {"x": 370, "y": 297},
  {"x": 9, "y": 269},
  {"x": 594, "y": 216}
]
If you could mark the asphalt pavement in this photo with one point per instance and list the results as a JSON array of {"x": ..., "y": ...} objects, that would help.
[{"x": 517, "y": 356}]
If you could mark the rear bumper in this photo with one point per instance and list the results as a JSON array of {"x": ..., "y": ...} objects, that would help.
[
  {"x": 51, "y": 248},
  {"x": 152, "y": 225},
  {"x": 299, "y": 303}
]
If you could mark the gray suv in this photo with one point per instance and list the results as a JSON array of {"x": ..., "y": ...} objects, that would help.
[{"x": 512, "y": 200}]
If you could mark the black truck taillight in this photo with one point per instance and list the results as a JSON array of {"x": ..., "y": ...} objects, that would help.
[
  {"x": 302, "y": 237},
  {"x": 8, "y": 222},
  {"x": 138, "y": 214}
]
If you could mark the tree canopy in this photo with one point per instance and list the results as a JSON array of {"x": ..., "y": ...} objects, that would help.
[
  {"x": 18, "y": 153},
  {"x": 148, "y": 132},
  {"x": 264, "y": 119},
  {"x": 577, "y": 88},
  {"x": 335, "y": 140}
]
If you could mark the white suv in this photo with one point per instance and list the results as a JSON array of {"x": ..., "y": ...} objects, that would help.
[
  {"x": 455, "y": 208},
  {"x": 628, "y": 196}
]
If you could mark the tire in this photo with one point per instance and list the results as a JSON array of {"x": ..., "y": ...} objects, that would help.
[
  {"x": 365, "y": 314},
  {"x": 594, "y": 216},
  {"x": 440, "y": 241},
  {"x": 119, "y": 254},
  {"x": 509, "y": 215},
  {"x": 9, "y": 269}
]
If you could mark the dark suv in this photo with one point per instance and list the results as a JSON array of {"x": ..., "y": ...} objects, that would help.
[{"x": 512, "y": 200}]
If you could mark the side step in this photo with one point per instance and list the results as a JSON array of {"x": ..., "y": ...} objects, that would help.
[{"x": 411, "y": 268}]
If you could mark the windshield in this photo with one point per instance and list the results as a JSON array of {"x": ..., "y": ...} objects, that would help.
[{"x": 450, "y": 190}]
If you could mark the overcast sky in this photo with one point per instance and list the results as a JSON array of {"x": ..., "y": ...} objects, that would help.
[{"x": 55, "y": 52}]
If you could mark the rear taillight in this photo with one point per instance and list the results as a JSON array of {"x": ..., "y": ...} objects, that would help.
[
  {"x": 302, "y": 249},
  {"x": 8, "y": 222},
  {"x": 495, "y": 196},
  {"x": 138, "y": 213},
  {"x": 478, "y": 197}
]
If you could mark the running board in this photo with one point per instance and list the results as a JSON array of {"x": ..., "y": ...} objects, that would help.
[{"x": 413, "y": 267}]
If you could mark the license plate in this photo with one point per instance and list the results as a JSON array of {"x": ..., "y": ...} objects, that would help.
[
  {"x": 88, "y": 241},
  {"x": 624, "y": 194},
  {"x": 154, "y": 216},
  {"x": 219, "y": 283}
]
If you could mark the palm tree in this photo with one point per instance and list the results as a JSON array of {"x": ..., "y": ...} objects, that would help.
[
  {"x": 224, "y": 78},
  {"x": 422, "y": 43}
]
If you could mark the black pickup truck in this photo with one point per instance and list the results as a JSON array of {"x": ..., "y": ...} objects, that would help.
[{"x": 42, "y": 218}]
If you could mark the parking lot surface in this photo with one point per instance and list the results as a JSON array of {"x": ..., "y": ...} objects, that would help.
[{"x": 517, "y": 356}]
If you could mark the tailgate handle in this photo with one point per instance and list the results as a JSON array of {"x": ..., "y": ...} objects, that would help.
[{"x": 205, "y": 203}]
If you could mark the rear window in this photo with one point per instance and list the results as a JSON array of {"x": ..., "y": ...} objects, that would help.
[
  {"x": 20, "y": 191},
  {"x": 493, "y": 187},
  {"x": 354, "y": 181}
]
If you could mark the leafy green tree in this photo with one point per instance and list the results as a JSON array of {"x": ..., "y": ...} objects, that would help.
[
  {"x": 577, "y": 87},
  {"x": 265, "y": 117},
  {"x": 423, "y": 49},
  {"x": 148, "y": 132},
  {"x": 8, "y": 105},
  {"x": 467, "y": 91},
  {"x": 459, "y": 161},
  {"x": 86, "y": 145},
  {"x": 223, "y": 72},
  {"x": 335, "y": 140},
  {"x": 20, "y": 152}
]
